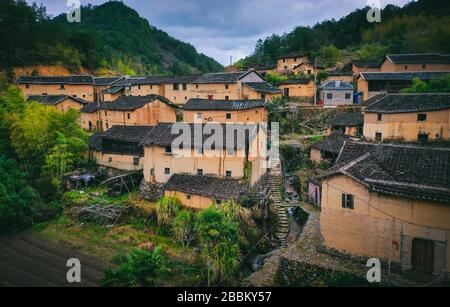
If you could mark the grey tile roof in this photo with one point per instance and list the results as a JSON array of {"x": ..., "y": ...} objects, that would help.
[
  {"x": 347, "y": 119},
  {"x": 405, "y": 76},
  {"x": 105, "y": 81},
  {"x": 162, "y": 135},
  {"x": 367, "y": 64},
  {"x": 86, "y": 80},
  {"x": 399, "y": 170},
  {"x": 337, "y": 85},
  {"x": 294, "y": 55},
  {"x": 263, "y": 87},
  {"x": 196, "y": 104},
  {"x": 420, "y": 58},
  {"x": 125, "y": 103},
  {"x": 332, "y": 143},
  {"x": 127, "y": 133},
  {"x": 113, "y": 90},
  {"x": 95, "y": 142},
  {"x": 407, "y": 103},
  {"x": 223, "y": 77},
  {"x": 157, "y": 80},
  {"x": 54, "y": 99},
  {"x": 208, "y": 186},
  {"x": 340, "y": 73},
  {"x": 295, "y": 81},
  {"x": 369, "y": 101}
]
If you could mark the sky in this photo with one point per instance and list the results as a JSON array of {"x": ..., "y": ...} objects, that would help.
[{"x": 224, "y": 28}]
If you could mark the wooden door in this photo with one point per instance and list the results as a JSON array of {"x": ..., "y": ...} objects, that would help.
[{"x": 423, "y": 256}]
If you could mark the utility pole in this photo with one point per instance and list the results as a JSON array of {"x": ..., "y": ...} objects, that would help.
[{"x": 315, "y": 81}]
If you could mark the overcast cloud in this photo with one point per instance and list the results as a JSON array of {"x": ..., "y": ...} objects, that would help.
[{"x": 224, "y": 28}]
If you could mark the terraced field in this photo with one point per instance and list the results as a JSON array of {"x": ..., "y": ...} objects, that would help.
[{"x": 30, "y": 261}]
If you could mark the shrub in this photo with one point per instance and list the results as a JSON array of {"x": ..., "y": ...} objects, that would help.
[
  {"x": 166, "y": 209},
  {"x": 183, "y": 227}
]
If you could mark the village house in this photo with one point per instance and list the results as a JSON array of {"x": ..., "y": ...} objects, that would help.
[
  {"x": 389, "y": 202},
  {"x": 298, "y": 88},
  {"x": 266, "y": 69},
  {"x": 128, "y": 111},
  {"x": 225, "y": 111},
  {"x": 408, "y": 117},
  {"x": 336, "y": 93},
  {"x": 119, "y": 147},
  {"x": 328, "y": 149},
  {"x": 162, "y": 161},
  {"x": 103, "y": 86},
  {"x": 308, "y": 68},
  {"x": 286, "y": 64},
  {"x": 199, "y": 192},
  {"x": 371, "y": 84},
  {"x": 75, "y": 86},
  {"x": 339, "y": 76},
  {"x": 231, "y": 86},
  {"x": 62, "y": 103},
  {"x": 416, "y": 62},
  {"x": 350, "y": 124},
  {"x": 365, "y": 66}
]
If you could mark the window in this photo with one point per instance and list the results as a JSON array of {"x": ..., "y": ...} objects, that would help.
[
  {"x": 176, "y": 86},
  {"x": 229, "y": 174},
  {"x": 421, "y": 117},
  {"x": 227, "y": 97},
  {"x": 151, "y": 87},
  {"x": 263, "y": 96},
  {"x": 184, "y": 86},
  {"x": 107, "y": 126},
  {"x": 84, "y": 96},
  {"x": 169, "y": 150},
  {"x": 348, "y": 201},
  {"x": 109, "y": 159},
  {"x": 284, "y": 61},
  {"x": 422, "y": 138},
  {"x": 128, "y": 115},
  {"x": 329, "y": 96},
  {"x": 424, "y": 66},
  {"x": 226, "y": 86},
  {"x": 348, "y": 96},
  {"x": 200, "y": 172},
  {"x": 106, "y": 113},
  {"x": 139, "y": 87},
  {"x": 196, "y": 86},
  {"x": 309, "y": 71},
  {"x": 378, "y": 136},
  {"x": 188, "y": 197},
  {"x": 199, "y": 116},
  {"x": 136, "y": 161},
  {"x": 90, "y": 125},
  {"x": 44, "y": 94},
  {"x": 406, "y": 67},
  {"x": 61, "y": 87},
  {"x": 295, "y": 59},
  {"x": 27, "y": 86},
  {"x": 380, "y": 117},
  {"x": 167, "y": 171},
  {"x": 228, "y": 115},
  {"x": 210, "y": 97},
  {"x": 152, "y": 172}
]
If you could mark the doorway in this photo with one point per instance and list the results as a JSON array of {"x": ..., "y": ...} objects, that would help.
[{"x": 423, "y": 256}]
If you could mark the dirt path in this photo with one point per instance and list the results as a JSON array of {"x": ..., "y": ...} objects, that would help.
[{"x": 30, "y": 261}]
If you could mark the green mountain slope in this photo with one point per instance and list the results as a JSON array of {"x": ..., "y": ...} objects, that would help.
[
  {"x": 111, "y": 36},
  {"x": 422, "y": 26}
]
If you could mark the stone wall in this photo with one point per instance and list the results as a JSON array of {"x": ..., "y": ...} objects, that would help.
[{"x": 151, "y": 191}]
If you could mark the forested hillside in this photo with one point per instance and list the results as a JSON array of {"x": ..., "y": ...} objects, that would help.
[
  {"x": 111, "y": 37},
  {"x": 422, "y": 26}
]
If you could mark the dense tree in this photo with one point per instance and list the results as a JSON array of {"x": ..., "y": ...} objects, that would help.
[{"x": 441, "y": 85}]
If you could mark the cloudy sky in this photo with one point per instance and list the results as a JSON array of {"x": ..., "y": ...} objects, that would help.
[{"x": 224, "y": 28}]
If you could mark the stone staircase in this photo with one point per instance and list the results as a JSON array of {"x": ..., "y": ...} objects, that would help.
[{"x": 275, "y": 183}]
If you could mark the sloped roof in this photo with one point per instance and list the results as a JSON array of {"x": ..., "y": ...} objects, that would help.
[
  {"x": 105, "y": 81},
  {"x": 86, "y": 80},
  {"x": 367, "y": 64},
  {"x": 162, "y": 135},
  {"x": 127, "y": 133},
  {"x": 419, "y": 58},
  {"x": 54, "y": 99},
  {"x": 294, "y": 55},
  {"x": 208, "y": 186},
  {"x": 223, "y": 77},
  {"x": 113, "y": 90},
  {"x": 369, "y": 101},
  {"x": 262, "y": 87},
  {"x": 336, "y": 85},
  {"x": 296, "y": 81},
  {"x": 95, "y": 142},
  {"x": 125, "y": 103},
  {"x": 332, "y": 143},
  {"x": 402, "y": 76},
  {"x": 407, "y": 103},
  {"x": 347, "y": 119},
  {"x": 157, "y": 80},
  {"x": 196, "y": 104},
  {"x": 399, "y": 170}
]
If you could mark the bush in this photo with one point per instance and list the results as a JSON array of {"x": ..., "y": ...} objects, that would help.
[
  {"x": 137, "y": 269},
  {"x": 183, "y": 227},
  {"x": 166, "y": 209}
]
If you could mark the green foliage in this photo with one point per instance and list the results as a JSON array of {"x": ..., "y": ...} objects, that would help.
[
  {"x": 372, "y": 52},
  {"x": 329, "y": 55},
  {"x": 12, "y": 106},
  {"x": 275, "y": 78},
  {"x": 111, "y": 36},
  {"x": 218, "y": 238},
  {"x": 166, "y": 210},
  {"x": 137, "y": 269},
  {"x": 441, "y": 85},
  {"x": 19, "y": 202},
  {"x": 183, "y": 229}
]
